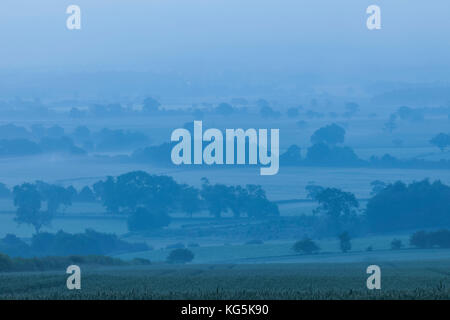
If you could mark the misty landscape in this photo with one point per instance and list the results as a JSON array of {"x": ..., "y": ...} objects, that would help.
[{"x": 87, "y": 178}]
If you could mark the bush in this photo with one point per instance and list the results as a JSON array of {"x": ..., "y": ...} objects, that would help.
[
  {"x": 418, "y": 205},
  {"x": 5, "y": 263},
  {"x": 180, "y": 256},
  {"x": 423, "y": 239},
  {"x": 396, "y": 244},
  {"x": 420, "y": 239},
  {"x": 8, "y": 264},
  {"x": 13, "y": 246},
  {"x": 306, "y": 246},
  {"x": 88, "y": 243}
]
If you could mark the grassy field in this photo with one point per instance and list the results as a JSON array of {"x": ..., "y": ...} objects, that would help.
[
  {"x": 414, "y": 280},
  {"x": 216, "y": 252}
]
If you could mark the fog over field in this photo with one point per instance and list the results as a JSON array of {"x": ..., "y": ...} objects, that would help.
[{"x": 93, "y": 122}]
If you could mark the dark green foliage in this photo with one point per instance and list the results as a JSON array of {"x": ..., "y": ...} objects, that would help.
[
  {"x": 143, "y": 219},
  {"x": 129, "y": 191},
  {"x": 306, "y": 246},
  {"x": 344, "y": 242},
  {"x": 336, "y": 203},
  {"x": 250, "y": 200},
  {"x": 377, "y": 186},
  {"x": 27, "y": 199},
  {"x": 5, "y": 263},
  {"x": 151, "y": 105},
  {"x": 85, "y": 195},
  {"x": 396, "y": 244},
  {"x": 441, "y": 140},
  {"x": 324, "y": 154},
  {"x": 423, "y": 239},
  {"x": 88, "y": 243},
  {"x": 330, "y": 135},
  {"x": 180, "y": 256},
  {"x": 224, "y": 109},
  {"x": 401, "y": 207}
]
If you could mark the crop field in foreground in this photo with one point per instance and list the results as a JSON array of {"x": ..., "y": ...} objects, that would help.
[{"x": 405, "y": 280}]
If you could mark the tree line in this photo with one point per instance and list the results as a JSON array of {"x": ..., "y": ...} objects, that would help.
[{"x": 144, "y": 198}]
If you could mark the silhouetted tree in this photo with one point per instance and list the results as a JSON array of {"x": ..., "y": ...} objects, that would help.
[
  {"x": 180, "y": 256},
  {"x": 306, "y": 246},
  {"x": 151, "y": 105},
  {"x": 336, "y": 203},
  {"x": 86, "y": 195},
  {"x": 344, "y": 242},
  {"x": 441, "y": 140},
  {"x": 377, "y": 186},
  {"x": 27, "y": 199},
  {"x": 396, "y": 244},
  {"x": 224, "y": 109},
  {"x": 331, "y": 135},
  {"x": 419, "y": 204}
]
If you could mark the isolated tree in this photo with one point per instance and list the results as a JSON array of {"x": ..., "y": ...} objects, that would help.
[
  {"x": 27, "y": 199},
  {"x": 344, "y": 242},
  {"x": 396, "y": 244},
  {"x": 217, "y": 197},
  {"x": 144, "y": 219},
  {"x": 269, "y": 113},
  {"x": 55, "y": 196},
  {"x": 441, "y": 140},
  {"x": 256, "y": 203},
  {"x": 180, "y": 256},
  {"x": 306, "y": 246},
  {"x": 137, "y": 189},
  {"x": 331, "y": 135},
  {"x": 151, "y": 105},
  {"x": 225, "y": 109},
  {"x": 335, "y": 202},
  {"x": 420, "y": 239},
  {"x": 421, "y": 204},
  {"x": 237, "y": 200}
]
